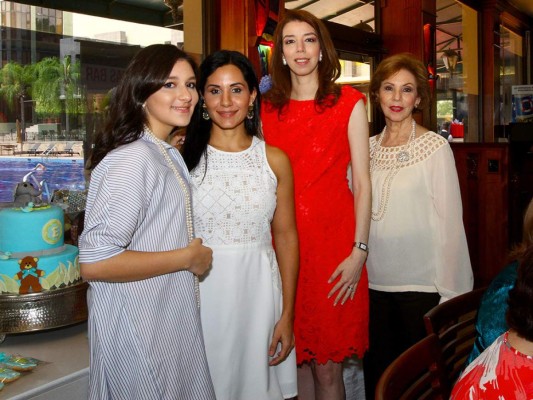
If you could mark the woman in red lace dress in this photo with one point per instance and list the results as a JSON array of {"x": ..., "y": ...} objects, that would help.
[{"x": 323, "y": 128}]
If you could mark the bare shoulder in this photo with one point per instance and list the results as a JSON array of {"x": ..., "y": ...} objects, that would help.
[
  {"x": 278, "y": 160},
  {"x": 275, "y": 153}
]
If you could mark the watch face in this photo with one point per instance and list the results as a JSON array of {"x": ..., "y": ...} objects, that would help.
[{"x": 361, "y": 246}]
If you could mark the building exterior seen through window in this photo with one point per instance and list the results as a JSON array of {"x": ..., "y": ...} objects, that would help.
[
  {"x": 57, "y": 70},
  {"x": 60, "y": 66}
]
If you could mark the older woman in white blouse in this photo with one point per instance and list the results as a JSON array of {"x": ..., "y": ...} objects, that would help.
[{"x": 418, "y": 255}]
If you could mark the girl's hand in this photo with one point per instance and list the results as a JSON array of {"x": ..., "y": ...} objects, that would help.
[{"x": 200, "y": 257}]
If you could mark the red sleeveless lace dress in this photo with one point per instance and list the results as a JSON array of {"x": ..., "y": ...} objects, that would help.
[{"x": 317, "y": 145}]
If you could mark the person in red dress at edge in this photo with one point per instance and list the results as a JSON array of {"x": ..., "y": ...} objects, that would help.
[
  {"x": 504, "y": 370},
  {"x": 323, "y": 128}
]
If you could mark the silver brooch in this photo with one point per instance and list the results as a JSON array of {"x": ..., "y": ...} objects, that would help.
[{"x": 403, "y": 156}]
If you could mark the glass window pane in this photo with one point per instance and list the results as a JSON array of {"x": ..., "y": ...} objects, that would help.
[
  {"x": 355, "y": 71},
  {"x": 61, "y": 74},
  {"x": 511, "y": 61},
  {"x": 457, "y": 68},
  {"x": 356, "y": 14}
]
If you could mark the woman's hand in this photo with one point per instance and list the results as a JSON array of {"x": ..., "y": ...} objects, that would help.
[
  {"x": 349, "y": 272},
  {"x": 283, "y": 334}
]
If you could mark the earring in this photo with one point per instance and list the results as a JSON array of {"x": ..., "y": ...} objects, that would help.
[
  {"x": 250, "y": 114},
  {"x": 205, "y": 114},
  {"x": 283, "y": 60},
  {"x": 320, "y": 56}
]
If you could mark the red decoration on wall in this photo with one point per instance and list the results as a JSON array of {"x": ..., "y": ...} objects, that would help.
[
  {"x": 429, "y": 44},
  {"x": 429, "y": 52},
  {"x": 262, "y": 9}
]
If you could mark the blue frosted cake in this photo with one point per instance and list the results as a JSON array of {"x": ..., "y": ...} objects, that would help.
[{"x": 33, "y": 255}]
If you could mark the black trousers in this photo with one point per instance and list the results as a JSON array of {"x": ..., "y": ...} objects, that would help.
[{"x": 396, "y": 323}]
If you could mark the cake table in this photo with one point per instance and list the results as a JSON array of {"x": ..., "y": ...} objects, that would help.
[{"x": 64, "y": 371}]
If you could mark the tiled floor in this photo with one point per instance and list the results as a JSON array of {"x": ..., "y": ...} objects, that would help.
[{"x": 354, "y": 379}]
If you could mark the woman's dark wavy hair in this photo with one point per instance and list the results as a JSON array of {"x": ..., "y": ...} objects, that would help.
[
  {"x": 329, "y": 69},
  {"x": 520, "y": 312},
  {"x": 145, "y": 75},
  {"x": 527, "y": 235},
  {"x": 199, "y": 130},
  {"x": 391, "y": 65}
]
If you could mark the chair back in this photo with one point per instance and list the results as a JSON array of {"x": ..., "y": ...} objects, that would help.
[
  {"x": 454, "y": 323},
  {"x": 418, "y": 374}
]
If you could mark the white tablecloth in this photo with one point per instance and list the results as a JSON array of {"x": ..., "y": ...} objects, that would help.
[{"x": 64, "y": 373}]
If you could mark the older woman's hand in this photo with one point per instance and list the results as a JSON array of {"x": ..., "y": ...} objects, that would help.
[{"x": 349, "y": 272}]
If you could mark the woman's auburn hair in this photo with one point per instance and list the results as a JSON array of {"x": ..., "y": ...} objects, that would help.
[
  {"x": 329, "y": 68},
  {"x": 392, "y": 65}
]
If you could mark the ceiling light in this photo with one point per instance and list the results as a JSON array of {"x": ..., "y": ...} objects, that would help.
[{"x": 450, "y": 58}]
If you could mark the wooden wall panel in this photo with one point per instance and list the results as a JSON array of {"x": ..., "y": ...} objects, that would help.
[
  {"x": 484, "y": 180},
  {"x": 233, "y": 25},
  {"x": 402, "y": 30}
]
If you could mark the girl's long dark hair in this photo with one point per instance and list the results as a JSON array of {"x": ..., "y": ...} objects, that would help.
[
  {"x": 145, "y": 75},
  {"x": 199, "y": 130}
]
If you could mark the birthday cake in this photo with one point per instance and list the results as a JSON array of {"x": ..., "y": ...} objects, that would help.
[{"x": 33, "y": 255}]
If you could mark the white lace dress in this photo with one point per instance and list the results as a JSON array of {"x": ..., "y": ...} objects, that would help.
[{"x": 241, "y": 297}]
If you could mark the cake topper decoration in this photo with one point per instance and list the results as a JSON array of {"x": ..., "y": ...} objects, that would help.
[{"x": 26, "y": 193}]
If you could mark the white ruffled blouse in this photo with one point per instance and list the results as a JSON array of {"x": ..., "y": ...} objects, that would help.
[{"x": 419, "y": 244}]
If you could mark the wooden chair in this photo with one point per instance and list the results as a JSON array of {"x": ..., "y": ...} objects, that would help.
[
  {"x": 418, "y": 373},
  {"x": 454, "y": 323}
]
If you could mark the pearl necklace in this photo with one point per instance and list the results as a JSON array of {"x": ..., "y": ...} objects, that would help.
[
  {"x": 403, "y": 156},
  {"x": 186, "y": 191}
]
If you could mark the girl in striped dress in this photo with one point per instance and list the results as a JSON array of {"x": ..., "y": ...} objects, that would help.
[{"x": 137, "y": 250}]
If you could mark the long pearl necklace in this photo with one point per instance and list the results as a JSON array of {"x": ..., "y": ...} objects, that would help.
[
  {"x": 186, "y": 191},
  {"x": 403, "y": 156}
]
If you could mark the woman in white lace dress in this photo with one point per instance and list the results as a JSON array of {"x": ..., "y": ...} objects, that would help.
[
  {"x": 242, "y": 192},
  {"x": 418, "y": 251}
]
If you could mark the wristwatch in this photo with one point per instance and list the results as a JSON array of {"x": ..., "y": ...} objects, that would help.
[{"x": 361, "y": 245}]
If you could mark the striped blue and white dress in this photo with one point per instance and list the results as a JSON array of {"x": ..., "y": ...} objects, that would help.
[{"x": 145, "y": 336}]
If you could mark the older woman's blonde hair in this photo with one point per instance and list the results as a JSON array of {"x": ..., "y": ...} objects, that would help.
[{"x": 393, "y": 64}]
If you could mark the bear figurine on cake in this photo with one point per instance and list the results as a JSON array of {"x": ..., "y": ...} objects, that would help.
[{"x": 33, "y": 255}]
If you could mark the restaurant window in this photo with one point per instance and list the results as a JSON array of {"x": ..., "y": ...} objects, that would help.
[
  {"x": 457, "y": 87},
  {"x": 511, "y": 73},
  {"x": 355, "y": 71},
  {"x": 355, "y": 14},
  {"x": 57, "y": 71},
  {"x": 352, "y": 25}
]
